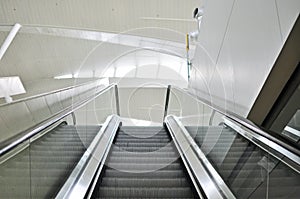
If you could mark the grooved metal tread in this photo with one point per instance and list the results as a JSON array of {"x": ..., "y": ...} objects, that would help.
[{"x": 144, "y": 163}]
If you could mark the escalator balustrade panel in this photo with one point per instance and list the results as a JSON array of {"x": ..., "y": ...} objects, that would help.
[
  {"x": 40, "y": 170},
  {"x": 247, "y": 170}
]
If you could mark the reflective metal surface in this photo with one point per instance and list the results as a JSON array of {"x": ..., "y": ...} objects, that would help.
[
  {"x": 167, "y": 100},
  {"x": 93, "y": 160},
  {"x": 203, "y": 174},
  {"x": 48, "y": 93},
  {"x": 27, "y": 134},
  {"x": 264, "y": 137},
  {"x": 249, "y": 169},
  {"x": 117, "y": 100}
]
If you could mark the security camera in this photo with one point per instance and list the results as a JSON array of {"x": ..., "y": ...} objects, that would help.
[{"x": 198, "y": 12}]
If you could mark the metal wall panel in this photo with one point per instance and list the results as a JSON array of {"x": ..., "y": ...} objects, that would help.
[
  {"x": 288, "y": 12},
  {"x": 245, "y": 55},
  {"x": 142, "y": 103}
]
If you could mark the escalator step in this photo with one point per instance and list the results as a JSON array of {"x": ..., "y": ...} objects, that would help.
[
  {"x": 157, "y": 154},
  {"x": 149, "y": 192},
  {"x": 141, "y": 160},
  {"x": 156, "y": 174},
  {"x": 145, "y": 182},
  {"x": 144, "y": 167}
]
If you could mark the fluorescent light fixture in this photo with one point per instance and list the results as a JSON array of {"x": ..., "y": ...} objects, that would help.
[
  {"x": 10, "y": 86},
  {"x": 67, "y": 76},
  {"x": 10, "y": 37}
]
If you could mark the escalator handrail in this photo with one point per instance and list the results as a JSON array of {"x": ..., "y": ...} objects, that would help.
[
  {"x": 91, "y": 163},
  {"x": 200, "y": 169},
  {"x": 47, "y": 93},
  {"x": 25, "y": 135},
  {"x": 285, "y": 149}
]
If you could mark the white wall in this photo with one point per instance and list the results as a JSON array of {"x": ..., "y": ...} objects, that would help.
[
  {"x": 238, "y": 44},
  {"x": 144, "y": 103}
]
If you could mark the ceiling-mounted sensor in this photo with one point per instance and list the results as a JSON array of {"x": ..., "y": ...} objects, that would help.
[{"x": 198, "y": 12}]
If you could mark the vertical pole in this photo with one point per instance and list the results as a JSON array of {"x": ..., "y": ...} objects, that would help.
[
  {"x": 167, "y": 101},
  {"x": 73, "y": 118},
  {"x": 117, "y": 100},
  {"x": 187, "y": 55}
]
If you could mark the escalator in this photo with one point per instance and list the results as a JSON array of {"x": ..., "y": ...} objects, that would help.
[
  {"x": 143, "y": 162},
  {"x": 248, "y": 171},
  {"x": 41, "y": 169}
]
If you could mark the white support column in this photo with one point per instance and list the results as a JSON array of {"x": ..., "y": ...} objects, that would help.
[{"x": 10, "y": 37}]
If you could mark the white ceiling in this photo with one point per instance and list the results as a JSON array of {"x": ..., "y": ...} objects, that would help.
[
  {"x": 46, "y": 46},
  {"x": 104, "y": 15}
]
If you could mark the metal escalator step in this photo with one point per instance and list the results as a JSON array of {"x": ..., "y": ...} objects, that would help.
[
  {"x": 233, "y": 154},
  {"x": 217, "y": 149},
  {"x": 156, "y": 174},
  {"x": 61, "y": 147},
  {"x": 140, "y": 132},
  {"x": 231, "y": 166},
  {"x": 45, "y": 165},
  {"x": 225, "y": 145},
  {"x": 143, "y": 163},
  {"x": 141, "y": 144},
  {"x": 62, "y": 142},
  {"x": 232, "y": 160},
  {"x": 152, "y": 139},
  {"x": 57, "y": 152},
  {"x": 121, "y": 132},
  {"x": 34, "y": 165},
  {"x": 141, "y": 154},
  {"x": 291, "y": 192},
  {"x": 126, "y": 137},
  {"x": 286, "y": 192},
  {"x": 145, "y": 182},
  {"x": 149, "y": 192},
  {"x": 25, "y": 180},
  {"x": 144, "y": 167},
  {"x": 36, "y": 172},
  {"x": 143, "y": 136},
  {"x": 25, "y": 192},
  {"x": 142, "y": 128},
  {"x": 67, "y": 138},
  {"x": 143, "y": 149},
  {"x": 140, "y": 160}
]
